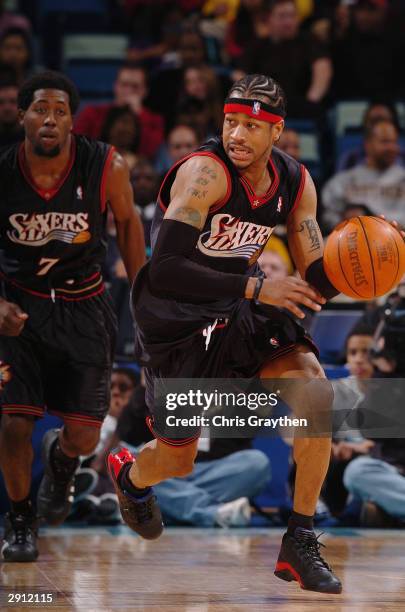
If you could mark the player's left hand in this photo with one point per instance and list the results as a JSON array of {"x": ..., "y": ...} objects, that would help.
[{"x": 394, "y": 224}]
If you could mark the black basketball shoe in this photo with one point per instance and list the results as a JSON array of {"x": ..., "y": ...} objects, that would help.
[
  {"x": 56, "y": 491},
  {"x": 141, "y": 514},
  {"x": 300, "y": 560},
  {"x": 20, "y": 538}
]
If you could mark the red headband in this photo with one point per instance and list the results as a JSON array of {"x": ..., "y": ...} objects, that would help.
[{"x": 255, "y": 109}]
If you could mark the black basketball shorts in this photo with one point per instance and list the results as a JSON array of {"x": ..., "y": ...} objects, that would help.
[
  {"x": 62, "y": 360},
  {"x": 234, "y": 348}
]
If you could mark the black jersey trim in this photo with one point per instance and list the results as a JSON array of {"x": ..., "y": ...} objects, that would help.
[
  {"x": 255, "y": 200},
  {"x": 94, "y": 285},
  {"x": 83, "y": 419},
  {"x": 170, "y": 441},
  {"x": 103, "y": 182},
  {"x": 300, "y": 189},
  {"x": 214, "y": 207},
  {"x": 22, "y": 409},
  {"x": 46, "y": 194}
]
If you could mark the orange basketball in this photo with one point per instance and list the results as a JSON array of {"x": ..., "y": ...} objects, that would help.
[{"x": 364, "y": 257}]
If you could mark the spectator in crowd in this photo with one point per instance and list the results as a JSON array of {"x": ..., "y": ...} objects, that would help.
[
  {"x": 167, "y": 82},
  {"x": 122, "y": 130},
  {"x": 272, "y": 264},
  {"x": 379, "y": 183},
  {"x": 181, "y": 141},
  {"x": 367, "y": 53},
  {"x": 16, "y": 53},
  {"x": 196, "y": 114},
  {"x": 226, "y": 474},
  {"x": 216, "y": 16},
  {"x": 223, "y": 10},
  {"x": 153, "y": 29},
  {"x": 202, "y": 84},
  {"x": 250, "y": 24},
  {"x": 348, "y": 393},
  {"x": 145, "y": 183},
  {"x": 295, "y": 59},
  {"x": 95, "y": 501},
  {"x": 290, "y": 143},
  {"x": 374, "y": 112},
  {"x": 379, "y": 479},
  {"x": 10, "y": 128},
  {"x": 10, "y": 20},
  {"x": 130, "y": 89}
]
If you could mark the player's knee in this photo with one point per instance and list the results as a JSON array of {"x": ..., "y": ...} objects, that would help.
[
  {"x": 81, "y": 440},
  {"x": 324, "y": 394},
  {"x": 318, "y": 392},
  {"x": 16, "y": 429}
]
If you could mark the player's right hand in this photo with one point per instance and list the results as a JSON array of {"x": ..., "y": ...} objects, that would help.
[
  {"x": 12, "y": 319},
  {"x": 288, "y": 292}
]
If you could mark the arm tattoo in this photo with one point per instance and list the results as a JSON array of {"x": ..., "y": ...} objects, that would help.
[
  {"x": 209, "y": 171},
  {"x": 188, "y": 215},
  {"x": 205, "y": 175},
  {"x": 197, "y": 193},
  {"x": 311, "y": 227}
]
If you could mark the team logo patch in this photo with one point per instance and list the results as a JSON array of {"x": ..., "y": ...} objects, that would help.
[
  {"x": 39, "y": 229},
  {"x": 5, "y": 375},
  {"x": 256, "y": 108},
  {"x": 231, "y": 237},
  {"x": 274, "y": 342}
]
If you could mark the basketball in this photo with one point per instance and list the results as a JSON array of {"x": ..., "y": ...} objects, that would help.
[{"x": 364, "y": 257}]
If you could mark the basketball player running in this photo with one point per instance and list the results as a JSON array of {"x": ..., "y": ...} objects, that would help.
[
  {"x": 57, "y": 326},
  {"x": 217, "y": 209}
]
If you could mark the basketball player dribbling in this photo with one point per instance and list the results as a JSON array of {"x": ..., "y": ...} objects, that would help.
[
  {"x": 57, "y": 325},
  {"x": 216, "y": 210}
]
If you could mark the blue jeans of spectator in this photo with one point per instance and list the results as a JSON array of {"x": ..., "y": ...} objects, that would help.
[
  {"x": 195, "y": 498},
  {"x": 377, "y": 481}
]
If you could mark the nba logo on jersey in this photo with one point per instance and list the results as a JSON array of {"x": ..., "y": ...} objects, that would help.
[
  {"x": 280, "y": 203},
  {"x": 256, "y": 108},
  {"x": 79, "y": 192}
]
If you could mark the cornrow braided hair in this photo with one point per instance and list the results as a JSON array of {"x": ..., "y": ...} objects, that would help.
[{"x": 261, "y": 87}]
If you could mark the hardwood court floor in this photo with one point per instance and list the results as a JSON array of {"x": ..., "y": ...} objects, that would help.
[{"x": 195, "y": 570}]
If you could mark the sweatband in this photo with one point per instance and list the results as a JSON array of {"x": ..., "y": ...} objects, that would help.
[
  {"x": 172, "y": 272},
  {"x": 255, "y": 109},
  {"x": 316, "y": 276}
]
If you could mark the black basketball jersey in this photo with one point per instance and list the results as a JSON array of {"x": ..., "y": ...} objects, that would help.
[
  {"x": 237, "y": 229},
  {"x": 235, "y": 233},
  {"x": 54, "y": 239}
]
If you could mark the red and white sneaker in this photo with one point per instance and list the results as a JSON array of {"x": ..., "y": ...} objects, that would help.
[{"x": 141, "y": 514}]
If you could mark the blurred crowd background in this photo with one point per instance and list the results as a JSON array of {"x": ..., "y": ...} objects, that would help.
[{"x": 153, "y": 75}]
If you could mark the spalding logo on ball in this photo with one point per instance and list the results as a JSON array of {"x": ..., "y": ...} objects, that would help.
[{"x": 364, "y": 257}]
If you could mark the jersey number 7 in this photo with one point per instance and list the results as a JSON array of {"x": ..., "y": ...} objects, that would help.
[{"x": 46, "y": 263}]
